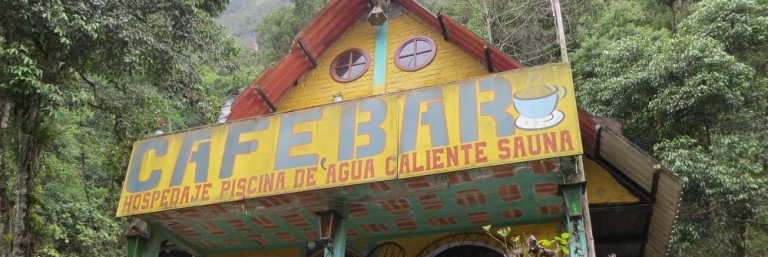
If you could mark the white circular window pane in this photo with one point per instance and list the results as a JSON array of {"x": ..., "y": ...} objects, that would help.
[
  {"x": 407, "y": 61},
  {"x": 359, "y": 58},
  {"x": 422, "y": 46},
  {"x": 342, "y": 72},
  {"x": 350, "y": 65},
  {"x": 357, "y": 70},
  {"x": 415, "y": 53},
  {"x": 407, "y": 49},
  {"x": 422, "y": 59}
]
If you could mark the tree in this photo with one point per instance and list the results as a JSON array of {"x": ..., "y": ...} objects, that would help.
[
  {"x": 692, "y": 98},
  {"x": 111, "y": 55},
  {"x": 277, "y": 29},
  {"x": 524, "y": 29}
]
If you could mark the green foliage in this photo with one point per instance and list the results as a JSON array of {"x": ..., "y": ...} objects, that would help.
[
  {"x": 277, "y": 29},
  {"x": 694, "y": 95},
  {"x": 523, "y": 29},
  {"x": 514, "y": 246},
  {"x": 241, "y": 18},
  {"x": 86, "y": 79}
]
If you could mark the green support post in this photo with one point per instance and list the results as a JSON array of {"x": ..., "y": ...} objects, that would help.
[{"x": 141, "y": 242}]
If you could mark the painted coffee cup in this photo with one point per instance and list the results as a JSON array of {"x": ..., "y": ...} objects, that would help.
[{"x": 538, "y": 102}]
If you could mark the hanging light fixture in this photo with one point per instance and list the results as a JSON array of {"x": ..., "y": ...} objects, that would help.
[
  {"x": 573, "y": 197},
  {"x": 378, "y": 14},
  {"x": 329, "y": 224}
]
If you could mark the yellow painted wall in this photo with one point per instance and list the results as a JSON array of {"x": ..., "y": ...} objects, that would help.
[
  {"x": 413, "y": 245},
  {"x": 450, "y": 64},
  {"x": 318, "y": 87},
  {"x": 602, "y": 188}
]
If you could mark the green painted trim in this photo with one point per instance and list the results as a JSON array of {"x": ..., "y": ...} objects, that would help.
[
  {"x": 136, "y": 246},
  {"x": 179, "y": 241},
  {"x": 380, "y": 56}
]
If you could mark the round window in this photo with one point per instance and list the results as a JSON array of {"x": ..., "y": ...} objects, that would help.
[
  {"x": 350, "y": 65},
  {"x": 415, "y": 53}
]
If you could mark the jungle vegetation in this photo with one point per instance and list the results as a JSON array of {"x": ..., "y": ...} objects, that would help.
[{"x": 81, "y": 80}]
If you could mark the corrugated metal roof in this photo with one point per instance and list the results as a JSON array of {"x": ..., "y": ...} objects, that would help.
[{"x": 664, "y": 186}]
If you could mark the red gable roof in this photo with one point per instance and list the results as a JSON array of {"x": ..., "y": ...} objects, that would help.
[{"x": 328, "y": 26}]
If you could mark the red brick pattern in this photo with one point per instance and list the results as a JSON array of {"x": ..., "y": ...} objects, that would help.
[
  {"x": 264, "y": 223},
  {"x": 257, "y": 239},
  {"x": 311, "y": 235},
  {"x": 215, "y": 209},
  {"x": 406, "y": 224},
  {"x": 396, "y": 206},
  {"x": 430, "y": 202},
  {"x": 212, "y": 228},
  {"x": 206, "y": 244},
  {"x": 509, "y": 193},
  {"x": 550, "y": 209},
  {"x": 417, "y": 182},
  {"x": 239, "y": 226},
  {"x": 546, "y": 190},
  {"x": 512, "y": 214},
  {"x": 274, "y": 201},
  {"x": 479, "y": 218},
  {"x": 443, "y": 221},
  {"x": 309, "y": 197},
  {"x": 351, "y": 232},
  {"x": 284, "y": 237},
  {"x": 357, "y": 210},
  {"x": 504, "y": 171},
  {"x": 470, "y": 197},
  {"x": 296, "y": 220},
  {"x": 459, "y": 177},
  {"x": 544, "y": 166},
  {"x": 185, "y": 230},
  {"x": 231, "y": 241},
  {"x": 191, "y": 213},
  {"x": 379, "y": 187},
  {"x": 372, "y": 228},
  {"x": 162, "y": 216}
]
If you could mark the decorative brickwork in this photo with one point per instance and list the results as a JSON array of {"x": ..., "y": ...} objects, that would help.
[
  {"x": 470, "y": 197},
  {"x": 406, "y": 224},
  {"x": 546, "y": 190},
  {"x": 431, "y": 202},
  {"x": 509, "y": 193},
  {"x": 239, "y": 226},
  {"x": 443, "y": 221}
]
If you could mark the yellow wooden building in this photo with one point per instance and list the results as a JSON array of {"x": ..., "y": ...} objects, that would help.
[{"x": 415, "y": 132}]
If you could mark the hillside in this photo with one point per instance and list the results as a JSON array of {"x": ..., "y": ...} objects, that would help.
[{"x": 242, "y": 16}]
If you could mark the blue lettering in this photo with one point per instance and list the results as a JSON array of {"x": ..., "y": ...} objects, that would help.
[
  {"x": 134, "y": 185},
  {"x": 234, "y": 147},
  {"x": 287, "y": 139},
  {"x": 199, "y": 157}
]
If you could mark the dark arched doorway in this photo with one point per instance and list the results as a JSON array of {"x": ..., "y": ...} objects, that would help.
[
  {"x": 469, "y": 251},
  {"x": 464, "y": 245}
]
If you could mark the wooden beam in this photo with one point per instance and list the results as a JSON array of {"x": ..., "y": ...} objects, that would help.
[
  {"x": 442, "y": 27},
  {"x": 622, "y": 208},
  {"x": 488, "y": 63},
  {"x": 306, "y": 52},
  {"x": 265, "y": 98}
]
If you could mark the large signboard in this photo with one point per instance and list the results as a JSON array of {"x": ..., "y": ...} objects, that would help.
[{"x": 503, "y": 118}]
